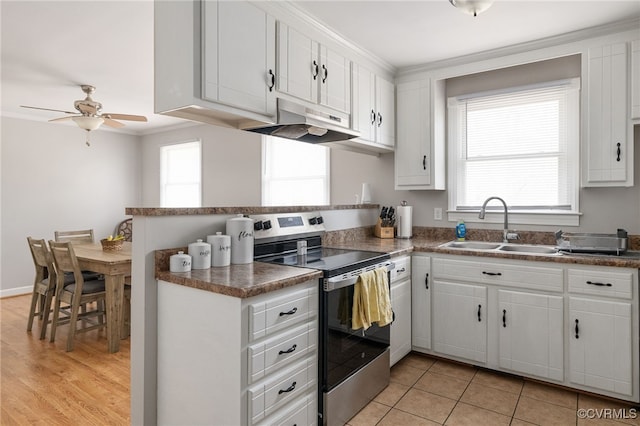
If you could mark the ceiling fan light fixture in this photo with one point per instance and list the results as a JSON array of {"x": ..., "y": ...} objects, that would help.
[
  {"x": 472, "y": 7},
  {"x": 88, "y": 123}
]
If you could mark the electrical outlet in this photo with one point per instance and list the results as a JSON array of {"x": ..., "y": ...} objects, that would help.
[{"x": 437, "y": 213}]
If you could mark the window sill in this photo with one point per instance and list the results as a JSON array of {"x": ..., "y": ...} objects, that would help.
[{"x": 518, "y": 218}]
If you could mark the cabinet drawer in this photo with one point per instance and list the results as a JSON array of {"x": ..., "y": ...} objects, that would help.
[
  {"x": 618, "y": 284},
  {"x": 402, "y": 269},
  {"x": 278, "y": 313},
  {"x": 500, "y": 273},
  {"x": 281, "y": 350},
  {"x": 282, "y": 388},
  {"x": 301, "y": 412}
]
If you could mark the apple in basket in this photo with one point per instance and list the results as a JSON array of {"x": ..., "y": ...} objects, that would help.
[{"x": 112, "y": 243}]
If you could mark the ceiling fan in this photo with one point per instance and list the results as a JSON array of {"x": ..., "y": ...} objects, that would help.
[{"x": 90, "y": 115}]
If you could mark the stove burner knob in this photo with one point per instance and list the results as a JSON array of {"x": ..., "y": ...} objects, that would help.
[
  {"x": 266, "y": 225},
  {"x": 313, "y": 221},
  {"x": 319, "y": 220},
  {"x": 257, "y": 225}
]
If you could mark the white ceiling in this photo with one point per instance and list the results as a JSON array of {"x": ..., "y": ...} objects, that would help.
[{"x": 51, "y": 47}]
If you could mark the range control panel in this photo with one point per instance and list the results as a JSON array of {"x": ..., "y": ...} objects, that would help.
[{"x": 285, "y": 224}]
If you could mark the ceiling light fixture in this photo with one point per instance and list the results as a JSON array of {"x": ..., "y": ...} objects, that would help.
[
  {"x": 88, "y": 123},
  {"x": 472, "y": 7}
]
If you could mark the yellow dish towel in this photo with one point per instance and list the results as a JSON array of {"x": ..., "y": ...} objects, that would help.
[{"x": 371, "y": 301}]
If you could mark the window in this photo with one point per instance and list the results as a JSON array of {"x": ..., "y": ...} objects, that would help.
[
  {"x": 180, "y": 175},
  {"x": 294, "y": 173},
  {"x": 519, "y": 144}
]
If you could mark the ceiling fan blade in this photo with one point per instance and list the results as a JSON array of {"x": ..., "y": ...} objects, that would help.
[
  {"x": 63, "y": 118},
  {"x": 127, "y": 117},
  {"x": 49, "y": 109},
  {"x": 112, "y": 123}
]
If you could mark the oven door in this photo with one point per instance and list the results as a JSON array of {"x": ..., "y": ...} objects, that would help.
[{"x": 345, "y": 351}]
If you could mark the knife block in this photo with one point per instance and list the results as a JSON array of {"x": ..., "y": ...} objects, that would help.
[{"x": 383, "y": 231}]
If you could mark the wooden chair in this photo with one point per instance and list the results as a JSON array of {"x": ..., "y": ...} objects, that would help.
[
  {"x": 44, "y": 285},
  {"x": 83, "y": 236},
  {"x": 125, "y": 228},
  {"x": 79, "y": 237},
  {"x": 76, "y": 294}
]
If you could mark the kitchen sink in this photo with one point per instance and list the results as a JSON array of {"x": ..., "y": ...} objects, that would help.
[
  {"x": 473, "y": 245},
  {"x": 485, "y": 246},
  {"x": 521, "y": 248}
]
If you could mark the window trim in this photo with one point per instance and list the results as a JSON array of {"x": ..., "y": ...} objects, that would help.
[
  {"x": 162, "y": 180},
  {"x": 519, "y": 217}
]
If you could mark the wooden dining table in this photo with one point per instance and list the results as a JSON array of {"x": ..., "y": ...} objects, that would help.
[{"x": 115, "y": 266}]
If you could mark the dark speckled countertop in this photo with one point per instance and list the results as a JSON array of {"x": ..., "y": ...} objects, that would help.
[{"x": 258, "y": 278}]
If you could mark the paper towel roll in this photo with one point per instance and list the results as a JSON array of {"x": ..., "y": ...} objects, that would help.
[{"x": 403, "y": 219}]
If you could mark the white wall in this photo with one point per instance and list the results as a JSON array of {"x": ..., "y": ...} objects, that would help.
[{"x": 52, "y": 181}]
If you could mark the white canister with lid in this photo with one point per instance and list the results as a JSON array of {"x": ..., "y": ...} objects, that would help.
[
  {"x": 220, "y": 249},
  {"x": 180, "y": 262},
  {"x": 201, "y": 254},
  {"x": 240, "y": 229}
]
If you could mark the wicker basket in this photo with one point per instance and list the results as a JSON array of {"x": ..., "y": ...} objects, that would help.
[{"x": 113, "y": 245}]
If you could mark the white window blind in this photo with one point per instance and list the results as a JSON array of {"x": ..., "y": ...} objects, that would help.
[
  {"x": 180, "y": 175},
  {"x": 520, "y": 145},
  {"x": 294, "y": 173}
]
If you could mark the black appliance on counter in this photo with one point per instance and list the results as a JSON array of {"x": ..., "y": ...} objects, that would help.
[{"x": 353, "y": 365}]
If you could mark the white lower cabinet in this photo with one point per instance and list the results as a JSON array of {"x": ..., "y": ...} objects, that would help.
[
  {"x": 229, "y": 361},
  {"x": 530, "y": 336},
  {"x": 401, "y": 305},
  {"x": 421, "y": 285},
  {"x": 460, "y": 320},
  {"x": 569, "y": 324}
]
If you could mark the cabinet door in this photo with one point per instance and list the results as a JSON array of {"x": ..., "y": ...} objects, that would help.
[
  {"x": 401, "y": 326},
  {"x": 635, "y": 80},
  {"x": 412, "y": 159},
  {"x": 385, "y": 112},
  {"x": 421, "y": 284},
  {"x": 607, "y": 145},
  {"x": 244, "y": 80},
  {"x": 364, "y": 102},
  {"x": 530, "y": 336},
  {"x": 600, "y": 354},
  {"x": 298, "y": 64},
  {"x": 335, "y": 80},
  {"x": 460, "y": 320}
]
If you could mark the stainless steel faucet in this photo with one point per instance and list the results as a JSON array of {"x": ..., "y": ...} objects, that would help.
[{"x": 505, "y": 232}]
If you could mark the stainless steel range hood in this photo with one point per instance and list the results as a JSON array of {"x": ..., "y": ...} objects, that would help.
[{"x": 302, "y": 123}]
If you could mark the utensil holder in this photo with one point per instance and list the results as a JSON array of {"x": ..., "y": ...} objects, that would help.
[{"x": 383, "y": 231}]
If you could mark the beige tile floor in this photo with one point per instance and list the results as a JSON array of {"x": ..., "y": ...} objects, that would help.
[{"x": 431, "y": 391}]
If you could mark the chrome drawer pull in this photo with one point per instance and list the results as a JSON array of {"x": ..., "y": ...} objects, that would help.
[
  {"x": 291, "y": 312},
  {"x": 600, "y": 284},
  {"x": 287, "y": 390},
  {"x": 288, "y": 351}
]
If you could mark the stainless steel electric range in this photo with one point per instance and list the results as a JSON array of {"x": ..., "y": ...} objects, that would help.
[{"x": 353, "y": 365}]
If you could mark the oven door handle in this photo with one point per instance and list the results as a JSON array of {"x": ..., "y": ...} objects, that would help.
[{"x": 335, "y": 283}]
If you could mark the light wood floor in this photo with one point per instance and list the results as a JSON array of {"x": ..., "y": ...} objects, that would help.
[{"x": 41, "y": 384}]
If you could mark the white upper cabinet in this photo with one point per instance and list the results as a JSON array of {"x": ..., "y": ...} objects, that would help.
[
  {"x": 635, "y": 80},
  {"x": 312, "y": 72},
  {"x": 609, "y": 152},
  {"x": 419, "y": 158},
  {"x": 238, "y": 51},
  {"x": 373, "y": 107}
]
